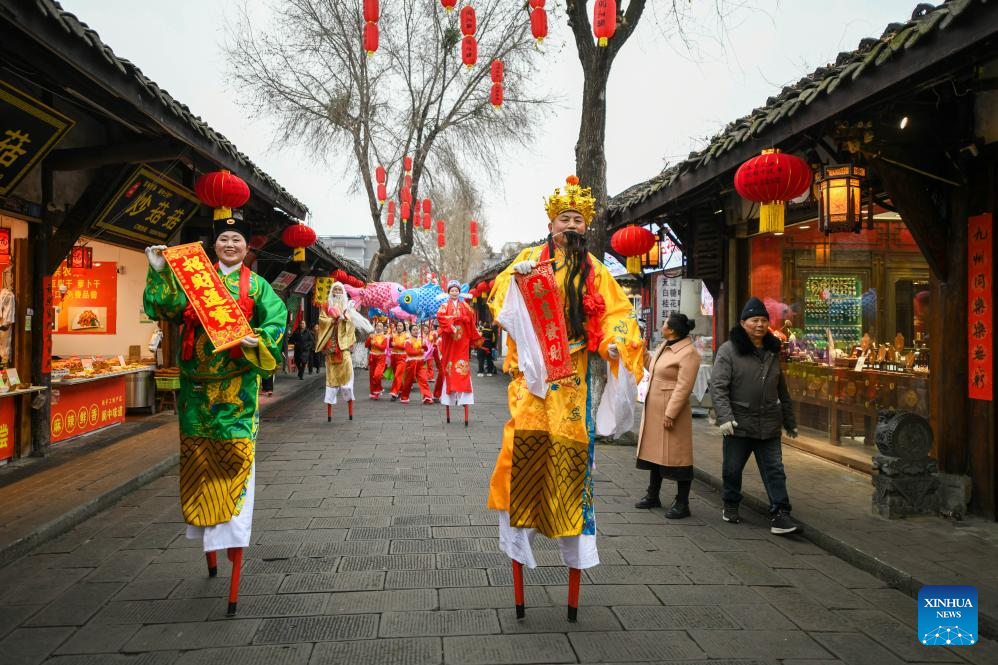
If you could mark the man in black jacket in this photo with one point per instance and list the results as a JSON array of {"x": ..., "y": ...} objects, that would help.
[{"x": 753, "y": 405}]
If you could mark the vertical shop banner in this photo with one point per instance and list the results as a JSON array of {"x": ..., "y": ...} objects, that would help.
[
  {"x": 48, "y": 319},
  {"x": 147, "y": 208},
  {"x": 668, "y": 298},
  {"x": 980, "y": 316},
  {"x": 28, "y": 131},
  {"x": 321, "y": 292},
  {"x": 223, "y": 320},
  {"x": 87, "y": 407},
  {"x": 89, "y": 304},
  {"x": 7, "y": 427}
]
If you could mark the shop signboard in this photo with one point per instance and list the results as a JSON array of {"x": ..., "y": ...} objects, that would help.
[
  {"x": 980, "y": 316},
  {"x": 87, "y": 407},
  {"x": 148, "y": 208},
  {"x": 668, "y": 298},
  {"x": 222, "y": 319},
  {"x": 283, "y": 281},
  {"x": 6, "y": 428},
  {"x": 29, "y": 129},
  {"x": 89, "y": 305},
  {"x": 305, "y": 285}
]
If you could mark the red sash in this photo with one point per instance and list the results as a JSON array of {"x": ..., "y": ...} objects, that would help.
[
  {"x": 191, "y": 322},
  {"x": 546, "y": 309},
  {"x": 592, "y": 304}
]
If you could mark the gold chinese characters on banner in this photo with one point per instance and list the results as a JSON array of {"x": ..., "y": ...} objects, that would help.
[{"x": 221, "y": 317}]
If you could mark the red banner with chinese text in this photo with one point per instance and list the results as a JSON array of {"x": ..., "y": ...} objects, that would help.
[
  {"x": 547, "y": 315},
  {"x": 87, "y": 407},
  {"x": 7, "y": 427},
  {"x": 88, "y": 305},
  {"x": 980, "y": 317},
  {"x": 221, "y": 317}
]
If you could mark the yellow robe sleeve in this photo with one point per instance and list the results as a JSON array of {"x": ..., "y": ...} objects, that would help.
[
  {"x": 497, "y": 297},
  {"x": 619, "y": 324}
]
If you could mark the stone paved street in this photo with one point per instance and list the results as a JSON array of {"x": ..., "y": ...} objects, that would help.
[{"x": 373, "y": 545}]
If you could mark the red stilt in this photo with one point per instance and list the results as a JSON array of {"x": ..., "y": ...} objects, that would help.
[
  {"x": 574, "y": 580},
  {"x": 350, "y": 408},
  {"x": 212, "y": 558},
  {"x": 329, "y": 413},
  {"x": 236, "y": 557},
  {"x": 465, "y": 415},
  {"x": 518, "y": 589},
  {"x": 448, "y": 413}
]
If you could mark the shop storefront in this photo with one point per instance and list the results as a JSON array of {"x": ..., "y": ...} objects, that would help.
[{"x": 853, "y": 310}]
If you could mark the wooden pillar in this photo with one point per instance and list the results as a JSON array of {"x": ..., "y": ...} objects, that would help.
[
  {"x": 41, "y": 323},
  {"x": 23, "y": 296}
]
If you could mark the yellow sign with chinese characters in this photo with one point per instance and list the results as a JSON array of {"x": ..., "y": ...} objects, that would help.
[
  {"x": 148, "y": 208},
  {"x": 29, "y": 129},
  {"x": 223, "y": 320}
]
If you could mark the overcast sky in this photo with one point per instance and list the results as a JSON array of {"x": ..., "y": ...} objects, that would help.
[{"x": 662, "y": 102}]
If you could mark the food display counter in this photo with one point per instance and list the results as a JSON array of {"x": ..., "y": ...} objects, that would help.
[{"x": 91, "y": 399}]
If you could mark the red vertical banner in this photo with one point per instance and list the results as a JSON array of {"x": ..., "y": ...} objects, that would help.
[
  {"x": 48, "y": 318},
  {"x": 7, "y": 427},
  {"x": 980, "y": 316}
]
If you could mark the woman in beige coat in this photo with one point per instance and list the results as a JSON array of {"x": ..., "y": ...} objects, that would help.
[{"x": 665, "y": 445}]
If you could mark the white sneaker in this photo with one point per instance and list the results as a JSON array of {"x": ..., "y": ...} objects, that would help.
[{"x": 480, "y": 374}]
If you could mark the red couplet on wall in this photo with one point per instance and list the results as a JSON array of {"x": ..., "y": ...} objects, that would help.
[
  {"x": 980, "y": 316},
  {"x": 87, "y": 407},
  {"x": 7, "y": 428}
]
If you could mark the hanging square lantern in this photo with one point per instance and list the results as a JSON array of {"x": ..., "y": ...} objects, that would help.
[
  {"x": 840, "y": 198},
  {"x": 81, "y": 257},
  {"x": 652, "y": 258},
  {"x": 5, "y": 241}
]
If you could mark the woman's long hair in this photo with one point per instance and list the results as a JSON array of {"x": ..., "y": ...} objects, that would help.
[{"x": 577, "y": 272}]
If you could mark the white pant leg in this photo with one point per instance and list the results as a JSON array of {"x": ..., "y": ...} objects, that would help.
[
  {"x": 234, "y": 533},
  {"x": 517, "y": 543}
]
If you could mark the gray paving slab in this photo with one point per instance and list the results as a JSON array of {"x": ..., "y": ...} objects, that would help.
[
  {"x": 673, "y": 617},
  {"x": 554, "y": 620},
  {"x": 318, "y": 582},
  {"x": 498, "y": 649},
  {"x": 434, "y": 579},
  {"x": 408, "y": 651},
  {"x": 283, "y": 654},
  {"x": 195, "y": 635},
  {"x": 396, "y": 600},
  {"x": 639, "y": 646},
  {"x": 490, "y": 597},
  {"x": 778, "y": 644},
  {"x": 317, "y": 629},
  {"x": 96, "y": 638},
  {"x": 438, "y": 623}
]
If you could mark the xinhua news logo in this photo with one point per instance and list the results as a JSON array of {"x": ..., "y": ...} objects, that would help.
[{"x": 947, "y": 615}]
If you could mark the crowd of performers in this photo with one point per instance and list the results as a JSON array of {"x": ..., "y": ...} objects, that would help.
[{"x": 570, "y": 316}]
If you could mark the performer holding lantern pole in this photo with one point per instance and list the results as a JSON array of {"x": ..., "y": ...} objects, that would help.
[
  {"x": 399, "y": 338},
  {"x": 561, "y": 309},
  {"x": 416, "y": 366},
  {"x": 339, "y": 322},
  {"x": 219, "y": 387},
  {"x": 377, "y": 358},
  {"x": 458, "y": 333}
]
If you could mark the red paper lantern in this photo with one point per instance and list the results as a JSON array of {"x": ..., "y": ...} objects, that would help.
[
  {"x": 371, "y": 10},
  {"x": 448, "y": 5},
  {"x": 440, "y": 226},
  {"x": 427, "y": 206},
  {"x": 604, "y": 20},
  {"x": 406, "y": 195},
  {"x": 405, "y": 211},
  {"x": 380, "y": 174},
  {"x": 497, "y": 71},
  {"x": 382, "y": 192},
  {"x": 370, "y": 38},
  {"x": 441, "y": 241},
  {"x": 496, "y": 95},
  {"x": 391, "y": 207},
  {"x": 223, "y": 191},
  {"x": 427, "y": 221},
  {"x": 407, "y": 163},
  {"x": 632, "y": 241},
  {"x": 391, "y": 218},
  {"x": 469, "y": 51},
  {"x": 539, "y": 24},
  {"x": 468, "y": 20},
  {"x": 537, "y": 4},
  {"x": 474, "y": 233},
  {"x": 407, "y": 181},
  {"x": 298, "y": 237},
  {"x": 771, "y": 179}
]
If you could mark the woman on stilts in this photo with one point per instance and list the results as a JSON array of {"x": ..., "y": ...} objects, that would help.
[
  {"x": 219, "y": 396},
  {"x": 458, "y": 334}
]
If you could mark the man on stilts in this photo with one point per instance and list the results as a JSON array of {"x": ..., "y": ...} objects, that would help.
[
  {"x": 458, "y": 334},
  {"x": 219, "y": 395},
  {"x": 339, "y": 322},
  {"x": 572, "y": 314}
]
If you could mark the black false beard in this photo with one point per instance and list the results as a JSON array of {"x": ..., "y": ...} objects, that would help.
[{"x": 577, "y": 272}]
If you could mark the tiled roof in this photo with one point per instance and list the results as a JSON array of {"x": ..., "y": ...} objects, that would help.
[
  {"x": 870, "y": 55},
  {"x": 197, "y": 127}
]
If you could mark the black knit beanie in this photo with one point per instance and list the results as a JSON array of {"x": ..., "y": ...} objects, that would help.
[{"x": 754, "y": 307}]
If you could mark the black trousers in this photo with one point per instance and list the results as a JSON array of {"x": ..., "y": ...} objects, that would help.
[
  {"x": 682, "y": 486},
  {"x": 485, "y": 364}
]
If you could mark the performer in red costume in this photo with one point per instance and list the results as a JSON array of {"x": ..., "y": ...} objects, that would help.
[
  {"x": 398, "y": 357},
  {"x": 458, "y": 334},
  {"x": 416, "y": 366},
  {"x": 377, "y": 345}
]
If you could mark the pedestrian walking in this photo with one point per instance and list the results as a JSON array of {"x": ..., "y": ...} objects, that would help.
[
  {"x": 665, "y": 442},
  {"x": 753, "y": 404},
  {"x": 486, "y": 366},
  {"x": 304, "y": 347}
]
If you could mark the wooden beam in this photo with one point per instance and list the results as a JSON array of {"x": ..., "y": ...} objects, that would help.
[
  {"x": 90, "y": 157},
  {"x": 909, "y": 192},
  {"x": 79, "y": 217}
]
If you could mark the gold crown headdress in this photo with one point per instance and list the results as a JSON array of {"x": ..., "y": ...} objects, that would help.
[{"x": 579, "y": 199}]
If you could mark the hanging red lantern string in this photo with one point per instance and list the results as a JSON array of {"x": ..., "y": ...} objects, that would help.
[
  {"x": 391, "y": 216},
  {"x": 633, "y": 242},
  {"x": 370, "y": 38},
  {"x": 469, "y": 21},
  {"x": 222, "y": 191},
  {"x": 380, "y": 174},
  {"x": 382, "y": 192},
  {"x": 406, "y": 195},
  {"x": 441, "y": 240},
  {"x": 538, "y": 20},
  {"x": 448, "y": 5},
  {"x": 474, "y": 233},
  {"x": 405, "y": 211},
  {"x": 427, "y": 206},
  {"x": 371, "y": 11},
  {"x": 497, "y": 71},
  {"x": 469, "y": 51},
  {"x": 771, "y": 179},
  {"x": 407, "y": 163},
  {"x": 407, "y": 181},
  {"x": 604, "y": 20},
  {"x": 496, "y": 95}
]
